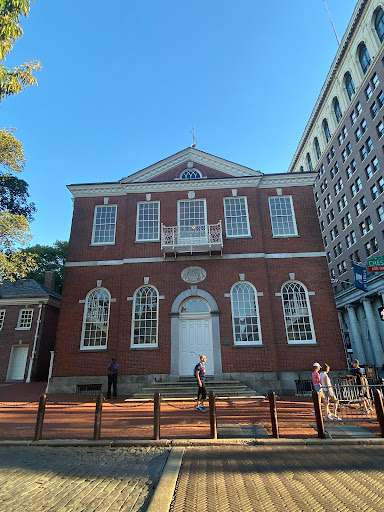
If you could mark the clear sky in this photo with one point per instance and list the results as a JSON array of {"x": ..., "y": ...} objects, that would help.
[{"x": 124, "y": 81}]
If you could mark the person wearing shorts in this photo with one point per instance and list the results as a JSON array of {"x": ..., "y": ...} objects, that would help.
[{"x": 329, "y": 394}]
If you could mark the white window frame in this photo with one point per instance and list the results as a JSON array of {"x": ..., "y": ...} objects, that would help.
[
  {"x": 106, "y": 324},
  {"x": 94, "y": 224},
  {"x": 139, "y": 204},
  {"x": 22, "y": 325},
  {"x": 144, "y": 345},
  {"x": 191, "y": 201},
  {"x": 2, "y": 317},
  {"x": 235, "y": 218},
  {"x": 292, "y": 215},
  {"x": 246, "y": 342},
  {"x": 312, "y": 341}
]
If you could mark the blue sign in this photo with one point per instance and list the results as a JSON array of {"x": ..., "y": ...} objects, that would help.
[{"x": 360, "y": 277}]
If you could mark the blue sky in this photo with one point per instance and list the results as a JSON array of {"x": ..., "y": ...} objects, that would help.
[{"x": 124, "y": 81}]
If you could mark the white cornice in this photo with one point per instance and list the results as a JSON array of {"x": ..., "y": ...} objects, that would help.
[
  {"x": 19, "y": 301},
  {"x": 160, "y": 259},
  {"x": 197, "y": 157},
  {"x": 266, "y": 181}
]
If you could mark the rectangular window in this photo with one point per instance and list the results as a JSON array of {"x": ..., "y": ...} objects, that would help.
[
  {"x": 375, "y": 164},
  {"x": 358, "y": 134},
  {"x": 358, "y": 108},
  {"x": 363, "y": 125},
  {"x": 368, "y": 91},
  {"x": 369, "y": 172},
  {"x": 148, "y": 219},
  {"x": 236, "y": 216},
  {"x": 363, "y": 153},
  {"x": 353, "y": 118},
  {"x": 374, "y": 110},
  {"x": 374, "y": 192},
  {"x": 25, "y": 319},
  {"x": 380, "y": 99},
  {"x": 380, "y": 213},
  {"x": 381, "y": 185},
  {"x": 2, "y": 316},
  {"x": 369, "y": 144},
  {"x": 104, "y": 225},
  {"x": 380, "y": 129},
  {"x": 375, "y": 81},
  {"x": 282, "y": 216}
]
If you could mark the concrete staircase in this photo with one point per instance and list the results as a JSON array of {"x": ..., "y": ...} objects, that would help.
[{"x": 187, "y": 388}]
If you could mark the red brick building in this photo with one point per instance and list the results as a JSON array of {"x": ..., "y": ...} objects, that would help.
[
  {"x": 192, "y": 255},
  {"x": 29, "y": 313}
]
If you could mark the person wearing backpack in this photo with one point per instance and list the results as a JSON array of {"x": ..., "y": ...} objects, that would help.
[{"x": 202, "y": 391}]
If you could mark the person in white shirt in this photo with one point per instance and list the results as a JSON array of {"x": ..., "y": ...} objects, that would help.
[{"x": 326, "y": 386}]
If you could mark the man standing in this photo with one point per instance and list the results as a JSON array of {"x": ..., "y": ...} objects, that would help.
[
  {"x": 113, "y": 369},
  {"x": 362, "y": 384},
  {"x": 202, "y": 391}
]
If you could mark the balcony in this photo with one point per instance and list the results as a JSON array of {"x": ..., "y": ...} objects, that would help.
[{"x": 191, "y": 239}]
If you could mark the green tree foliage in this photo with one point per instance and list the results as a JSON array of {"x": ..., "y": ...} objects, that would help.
[
  {"x": 14, "y": 210},
  {"x": 13, "y": 191},
  {"x": 13, "y": 81},
  {"x": 49, "y": 258},
  {"x": 14, "y": 232}
]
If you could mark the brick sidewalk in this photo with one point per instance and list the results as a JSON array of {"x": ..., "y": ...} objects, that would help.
[{"x": 72, "y": 417}]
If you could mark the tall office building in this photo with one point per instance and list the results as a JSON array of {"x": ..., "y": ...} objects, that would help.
[{"x": 344, "y": 142}]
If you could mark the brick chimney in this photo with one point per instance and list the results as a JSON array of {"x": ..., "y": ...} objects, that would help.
[{"x": 49, "y": 280}]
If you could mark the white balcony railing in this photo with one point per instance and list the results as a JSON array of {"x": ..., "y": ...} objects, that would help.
[{"x": 190, "y": 239}]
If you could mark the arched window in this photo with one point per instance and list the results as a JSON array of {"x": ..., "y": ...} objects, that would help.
[
  {"x": 349, "y": 85},
  {"x": 301, "y": 168},
  {"x": 96, "y": 319},
  {"x": 245, "y": 315},
  {"x": 364, "y": 58},
  {"x": 379, "y": 24},
  {"x": 317, "y": 148},
  {"x": 190, "y": 174},
  {"x": 337, "y": 109},
  {"x": 297, "y": 313},
  {"x": 194, "y": 305},
  {"x": 309, "y": 162},
  {"x": 327, "y": 132},
  {"x": 145, "y": 317}
]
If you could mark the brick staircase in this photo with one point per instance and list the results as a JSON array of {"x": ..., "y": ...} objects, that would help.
[{"x": 187, "y": 388}]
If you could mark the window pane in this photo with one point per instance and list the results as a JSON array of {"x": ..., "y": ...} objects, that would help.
[
  {"x": 96, "y": 318},
  {"x": 282, "y": 216},
  {"x": 148, "y": 221},
  {"x": 296, "y": 313},
  {"x": 145, "y": 314},
  {"x": 236, "y": 216},
  {"x": 104, "y": 225},
  {"x": 244, "y": 314}
]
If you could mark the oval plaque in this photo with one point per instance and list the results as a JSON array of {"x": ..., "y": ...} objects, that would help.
[{"x": 193, "y": 274}]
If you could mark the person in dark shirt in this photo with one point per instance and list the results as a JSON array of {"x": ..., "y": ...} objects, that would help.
[
  {"x": 113, "y": 369},
  {"x": 361, "y": 381},
  {"x": 202, "y": 391}
]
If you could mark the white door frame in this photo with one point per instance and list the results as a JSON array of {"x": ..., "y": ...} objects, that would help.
[
  {"x": 10, "y": 362},
  {"x": 195, "y": 292}
]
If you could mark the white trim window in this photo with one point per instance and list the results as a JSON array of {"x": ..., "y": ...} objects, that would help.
[
  {"x": 147, "y": 222},
  {"x": 236, "y": 217},
  {"x": 104, "y": 225},
  {"x": 25, "y": 319},
  {"x": 282, "y": 216},
  {"x": 297, "y": 313},
  {"x": 192, "y": 220},
  {"x": 145, "y": 317},
  {"x": 245, "y": 315},
  {"x": 96, "y": 319},
  {"x": 2, "y": 316}
]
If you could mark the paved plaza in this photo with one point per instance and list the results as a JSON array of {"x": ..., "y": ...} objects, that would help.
[{"x": 81, "y": 479}]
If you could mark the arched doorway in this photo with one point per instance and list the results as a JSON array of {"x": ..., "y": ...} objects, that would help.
[
  {"x": 206, "y": 311},
  {"x": 195, "y": 335}
]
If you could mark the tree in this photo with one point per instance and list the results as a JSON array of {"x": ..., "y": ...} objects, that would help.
[
  {"x": 49, "y": 258},
  {"x": 14, "y": 209},
  {"x": 13, "y": 81}
]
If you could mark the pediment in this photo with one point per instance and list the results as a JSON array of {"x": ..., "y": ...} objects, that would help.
[{"x": 190, "y": 159}]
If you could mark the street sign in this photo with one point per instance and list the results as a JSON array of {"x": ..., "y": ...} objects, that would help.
[
  {"x": 381, "y": 313},
  {"x": 376, "y": 264}
]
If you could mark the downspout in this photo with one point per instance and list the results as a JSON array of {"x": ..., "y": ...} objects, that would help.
[{"x": 32, "y": 358}]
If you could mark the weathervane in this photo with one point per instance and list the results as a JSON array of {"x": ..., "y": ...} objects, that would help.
[{"x": 194, "y": 140}]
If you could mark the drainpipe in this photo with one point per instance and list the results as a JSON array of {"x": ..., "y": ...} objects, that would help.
[
  {"x": 50, "y": 369},
  {"x": 32, "y": 358}
]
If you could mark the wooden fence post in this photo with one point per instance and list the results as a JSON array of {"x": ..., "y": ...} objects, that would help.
[
  {"x": 379, "y": 409},
  {"x": 318, "y": 414},
  {"x": 40, "y": 417},
  {"x": 156, "y": 416},
  {"x": 98, "y": 413},
  {"x": 273, "y": 410},
  {"x": 212, "y": 414}
]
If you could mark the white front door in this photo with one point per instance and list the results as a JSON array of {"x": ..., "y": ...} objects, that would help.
[
  {"x": 17, "y": 362},
  {"x": 195, "y": 339}
]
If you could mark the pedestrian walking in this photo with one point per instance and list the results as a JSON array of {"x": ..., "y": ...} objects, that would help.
[
  {"x": 362, "y": 382},
  {"x": 113, "y": 369},
  {"x": 202, "y": 391},
  {"x": 329, "y": 394},
  {"x": 316, "y": 382}
]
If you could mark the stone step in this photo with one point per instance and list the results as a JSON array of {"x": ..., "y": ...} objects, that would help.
[{"x": 187, "y": 388}]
